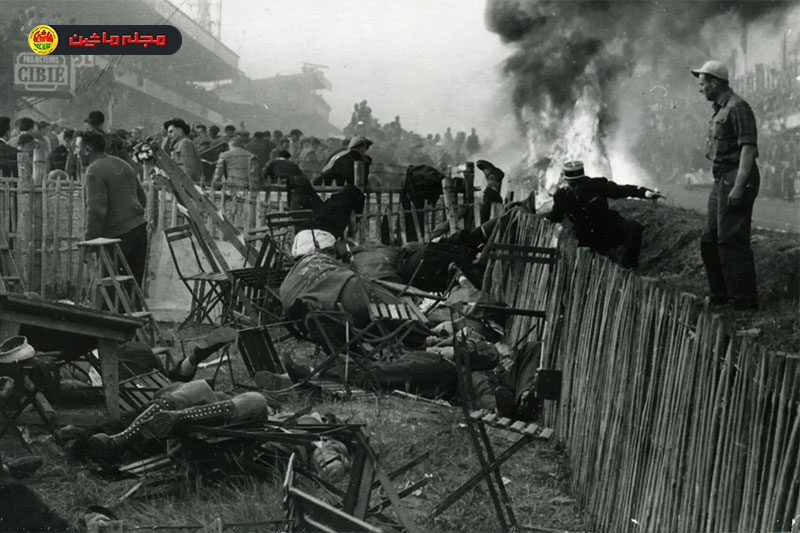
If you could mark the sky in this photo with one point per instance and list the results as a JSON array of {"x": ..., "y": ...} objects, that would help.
[{"x": 433, "y": 62}]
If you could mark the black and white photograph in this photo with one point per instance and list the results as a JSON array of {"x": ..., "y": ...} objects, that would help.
[{"x": 400, "y": 265}]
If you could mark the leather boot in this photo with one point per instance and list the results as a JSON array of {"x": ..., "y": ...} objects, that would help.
[
  {"x": 246, "y": 406},
  {"x": 186, "y": 369},
  {"x": 106, "y": 446}
]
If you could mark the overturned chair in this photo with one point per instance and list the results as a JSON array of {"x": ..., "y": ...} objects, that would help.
[
  {"x": 255, "y": 288},
  {"x": 477, "y": 422}
]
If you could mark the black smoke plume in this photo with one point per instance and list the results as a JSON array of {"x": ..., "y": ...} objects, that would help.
[{"x": 564, "y": 45}]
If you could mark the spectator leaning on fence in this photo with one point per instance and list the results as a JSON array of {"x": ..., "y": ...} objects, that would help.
[
  {"x": 281, "y": 170},
  {"x": 115, "y": 200}
]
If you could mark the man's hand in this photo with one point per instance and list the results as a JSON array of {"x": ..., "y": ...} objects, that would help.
[
  {"x": 735, "y": 196},
  {"x": 653, "y": 195}
]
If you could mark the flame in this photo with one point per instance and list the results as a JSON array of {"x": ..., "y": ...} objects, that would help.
[{"x": 561, "y": 137}]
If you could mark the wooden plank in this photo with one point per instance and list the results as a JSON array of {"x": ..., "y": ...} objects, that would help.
[
  {"x": 449, "y": 202},
  {"x": 109, "y": 371}
]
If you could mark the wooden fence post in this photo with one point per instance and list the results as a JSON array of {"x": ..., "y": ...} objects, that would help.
[
  {"x": 360, "y": 174},
  {"x": 39, "y": 177},
  {"x": 469, "y": 196},
  {"x": 151, "y": 210},
  {"x": 449, "y": 201},
  {"x": 25, "y": 225}
]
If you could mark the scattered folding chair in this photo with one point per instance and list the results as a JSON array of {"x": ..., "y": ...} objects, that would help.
[
  {"x": 512, "y": 253},
  {"x": 259, "y": 354},
  {"x": 366, "y": 475},
  {"x": 258, "y": 351},
  {"x": 208, "y": 286},
  {"x": 136, "y": 391},
  {"x": 304, "y": 512},
  {"x": 28, "y": 385},
  {"x": 255, "y": 288},
  {"x": 477, "y": 422}
]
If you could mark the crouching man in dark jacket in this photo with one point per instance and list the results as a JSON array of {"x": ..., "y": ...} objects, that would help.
[{"x": 584, "y": 201}]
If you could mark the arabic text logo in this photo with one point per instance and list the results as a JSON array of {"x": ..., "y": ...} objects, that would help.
[{"x": 43, "y": 39}]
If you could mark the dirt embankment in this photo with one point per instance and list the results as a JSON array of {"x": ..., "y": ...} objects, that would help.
[{"x": 671, "y": 253}]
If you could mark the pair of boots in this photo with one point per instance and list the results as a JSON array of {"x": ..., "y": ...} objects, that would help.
[{"x": 193, "y": 403}]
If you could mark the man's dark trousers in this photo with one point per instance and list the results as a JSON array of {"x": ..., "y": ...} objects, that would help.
[
  {"x": 725, "y": 244},
  {"x": 134, "y": 248}
]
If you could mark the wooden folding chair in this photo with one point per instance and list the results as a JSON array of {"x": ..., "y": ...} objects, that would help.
[
  {"x": 255, "y": 287},
  {"x": 304, "y": 512},
  {"x": 28, "y": 385},
  {"x": 208, "y": 286},
  {"x": 397, "y": 321},
  {"x": 477, "y": 422},
  {"x": 136, "y": 391},
  {"x": 281, "y": 227},
  {"x": 513, "y": 253},
  {"x": 366, "y": 475},
  {"x": 258, "y": 351}
]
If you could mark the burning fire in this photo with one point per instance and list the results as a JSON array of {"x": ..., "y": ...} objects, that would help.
[{"x": 562, "y": 137}]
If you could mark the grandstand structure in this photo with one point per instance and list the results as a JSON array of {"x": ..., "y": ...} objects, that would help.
[
  {"x": 291, "y": 101},
  {"x": 143, "y": 90}
]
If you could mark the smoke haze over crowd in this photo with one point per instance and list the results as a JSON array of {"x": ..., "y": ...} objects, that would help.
[{"x": 573, "y": 60}]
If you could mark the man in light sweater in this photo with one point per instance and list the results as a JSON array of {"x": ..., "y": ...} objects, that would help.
[{"x": 115, "y": 200}]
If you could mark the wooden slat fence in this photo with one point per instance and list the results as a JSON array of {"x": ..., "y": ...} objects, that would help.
[
  {"x": 44, "y": 234},
  {"x": 671, "y": 421},
  {"x": 247, "y": 209}
]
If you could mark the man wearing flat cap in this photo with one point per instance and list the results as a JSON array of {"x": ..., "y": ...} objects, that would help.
[
  {"x": 584, "y": 201},
  {"x": 340, "y": 167},
  {"x": 732, "y": 148}
]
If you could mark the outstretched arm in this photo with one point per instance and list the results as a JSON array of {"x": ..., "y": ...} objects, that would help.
[{"x": 616, "y": 191}]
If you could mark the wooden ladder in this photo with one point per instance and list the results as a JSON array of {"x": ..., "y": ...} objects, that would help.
[
  {"x": 110, "y": 285},
  {"x": 10, "y": 278}
]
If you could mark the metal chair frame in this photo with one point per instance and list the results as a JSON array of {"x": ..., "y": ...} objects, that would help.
[{"x": 208, "y": 289}]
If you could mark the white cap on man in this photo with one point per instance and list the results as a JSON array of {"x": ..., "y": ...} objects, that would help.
[{"x": 712, "y": 68}]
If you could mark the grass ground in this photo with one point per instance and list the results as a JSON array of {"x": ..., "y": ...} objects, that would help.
[{"x": 399, "y": 430}]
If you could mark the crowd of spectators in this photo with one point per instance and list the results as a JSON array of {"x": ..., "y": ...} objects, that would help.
[
  {"x": 673, "y": 150},
  {"x": 395, "y": 145},
  {"x": 213, "y": 155}
]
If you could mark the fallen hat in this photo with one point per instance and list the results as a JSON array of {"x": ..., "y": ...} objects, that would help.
[
  {"x": 712, "y": 68},
  {"x": 573, "y": 170},
  {"x": 359, "y": 140},
  {"x": 16, "y": 349}
]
